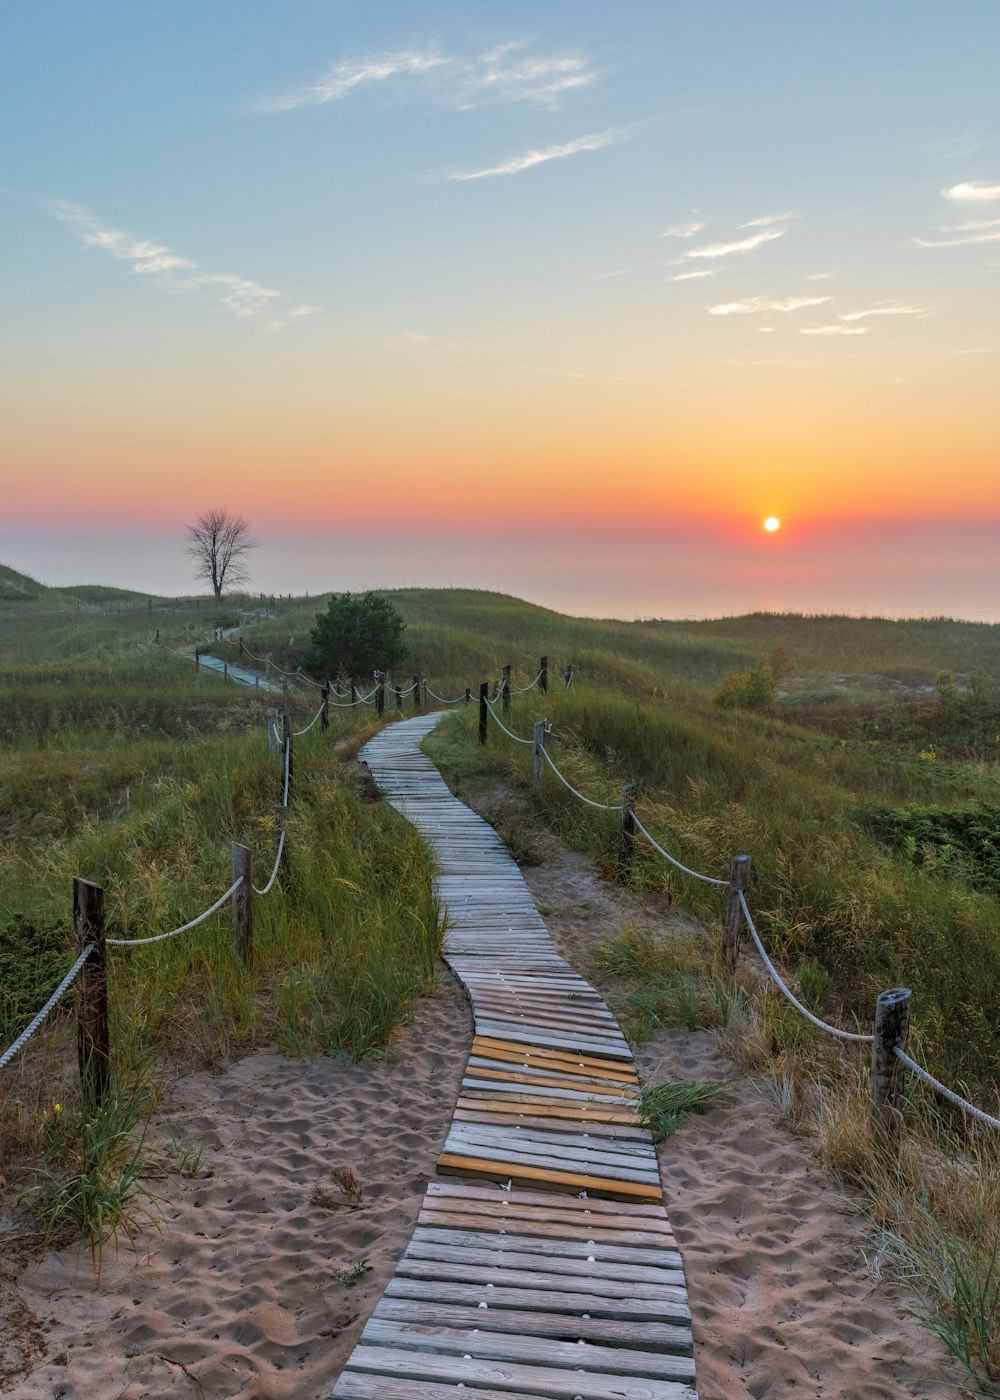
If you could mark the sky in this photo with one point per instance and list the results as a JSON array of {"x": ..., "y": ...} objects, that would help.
[{"x": 562, "y": 299}]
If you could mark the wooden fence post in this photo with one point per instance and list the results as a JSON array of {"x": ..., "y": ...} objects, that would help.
[
  {"x": 92, "y": 1039},
  {"x": 739, "y": 878},
  {"x": 543, "y": 675},
  {"x": 243, "y": 904},
  {"x": 197, "y": 658},
  {"x": 286, "y": 721},
  {"x": 324, "y": 714},
  {"x": 416, "y": 692},
  {"x": 468, "y": 694},
  {"x": 536, "y": 769},
  {"x": 380, "y": 695},
  {"x": 399, "y": 698},
  {"x": 892, "y": 1024},
  {"x": 484, "y": 691},
  {"x": 225, "y": 670},
  {"x": 354, "y": 693},
  {"x": 272, "y": 730},
  {"x": 506, "y": 690},
  {"x": 568, "y": 676},
  {"x": 284, "y": 690},
  {"x": 628, "y": 823}
]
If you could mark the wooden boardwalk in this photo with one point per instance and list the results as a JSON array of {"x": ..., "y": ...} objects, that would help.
[{"x": 546, "y": 1265}]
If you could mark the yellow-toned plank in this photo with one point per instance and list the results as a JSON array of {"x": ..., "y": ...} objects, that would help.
[{"x": 450, "y": 1163}]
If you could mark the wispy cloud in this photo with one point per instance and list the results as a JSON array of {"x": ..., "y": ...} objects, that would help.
[
  {"x": 750, "y": 306},
  {"x": 818, "y": 276},
  {"x": 596, "y": 141},
  {"x": 507, "y": 72},
  {"x": 973, "y": 192},
  {"x": 993, "y": 237},
  {"x": 742, "y": 245},
  {"x": 766, "y": 220},
  {"x": 889, "y": 310},
  {"x": 172, "y": 272},
  {"x": 687, "y": 230},
  {"x": 690, "y": 276},
  {"x": 833, "y": 330}
]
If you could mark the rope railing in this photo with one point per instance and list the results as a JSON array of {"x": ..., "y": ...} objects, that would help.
[
  {"x": 193, "y": 923},
  {"x": 37, "y": 1020},
  {"x": 277, "y": 867},
  {"x": 708, "y": 879},
  {"x": 440, "y": 698},
  {"x": 316, "y": 716},
  {"x": 523, "y": 689},
  {"x": 823, "y": 1025},
  {"x": 977, "y": 1113},
  {"x": 516, "y": 737},
  {"x": 604, "y": 806}
]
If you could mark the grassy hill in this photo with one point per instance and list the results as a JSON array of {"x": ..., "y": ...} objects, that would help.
[{"x": 866, "y": 788}]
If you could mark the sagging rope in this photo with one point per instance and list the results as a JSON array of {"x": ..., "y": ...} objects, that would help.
[
  {"x": 516, "y": 737},
  {"x": 523, "y": 689},
  {"x": 309, "y": 726},
  {"x": 442, "y": 700},
  {"x": 949, "y": 1094},
  {"x": 823, "y": 1025},
  {"x": 30, "y": 1029},
  {"x": 604, "y": 806},
  {"x": 708, "y": 879},
  {"x": 159, "y": 937},
  {"x": 274, "y": 872}
]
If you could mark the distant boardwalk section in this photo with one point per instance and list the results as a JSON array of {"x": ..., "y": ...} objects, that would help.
[{"x": 546, "y": 1265}]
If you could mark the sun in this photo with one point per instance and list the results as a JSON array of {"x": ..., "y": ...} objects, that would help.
[{"x": 771, "y": 524}]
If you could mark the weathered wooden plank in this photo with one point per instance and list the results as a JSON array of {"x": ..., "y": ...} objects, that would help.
[
  {"x": 613, "y": 1302},
  {"x": 357, "y": 1385},
  {"x": 608, "y": 1331},
  {"x": 640, "y": 1155},
  {"x": 450, "y": 1162},
  {"x": 485, "y": 1223},
  {"x": 570, "y": 1244},
  {"x": 509, "y": 1376},
  {"x": 487, "y": 1345},
  {"x": 542, "y": 1200},
  {"x": 516, "y": 1252},
  {"x": 595, "y": 1088},
  {"x": 497, "y": 1049},
  {"x": 487, "y": 1111}
]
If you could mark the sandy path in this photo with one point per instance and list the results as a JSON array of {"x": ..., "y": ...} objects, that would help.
[{"x": 241, "y": 1295}]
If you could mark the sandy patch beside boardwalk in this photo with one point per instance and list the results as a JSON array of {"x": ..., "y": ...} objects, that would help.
[
  {"x": 242, "y": 1294},
  {"x": 783, "y": 1303}
]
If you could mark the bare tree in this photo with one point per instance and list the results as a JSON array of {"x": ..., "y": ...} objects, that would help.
[{"x": 218, "y": 542}]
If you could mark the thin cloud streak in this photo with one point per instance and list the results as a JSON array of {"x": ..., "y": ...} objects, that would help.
[
  {"x": 885, "y": 311},
  {"x": 596, "y": 141},
  {"x": 833, "y": 330},
  {"x": 744, "y": 245},
  {"x": 173, "y": 273},
  {"x": 754, "y": 305},
  {"x": 683, "y": 230},
  {"x": 505, "y": 73},
  {"x": 957, "y": 242},
  {"x": 690, "y": 276},
  {"x": 766, "y": 220}
]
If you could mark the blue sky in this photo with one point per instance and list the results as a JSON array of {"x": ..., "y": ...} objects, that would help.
[{"x": 361, "y": 265}]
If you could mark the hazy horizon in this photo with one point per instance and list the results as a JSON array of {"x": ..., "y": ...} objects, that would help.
[{"x": 592, "y": 575}]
